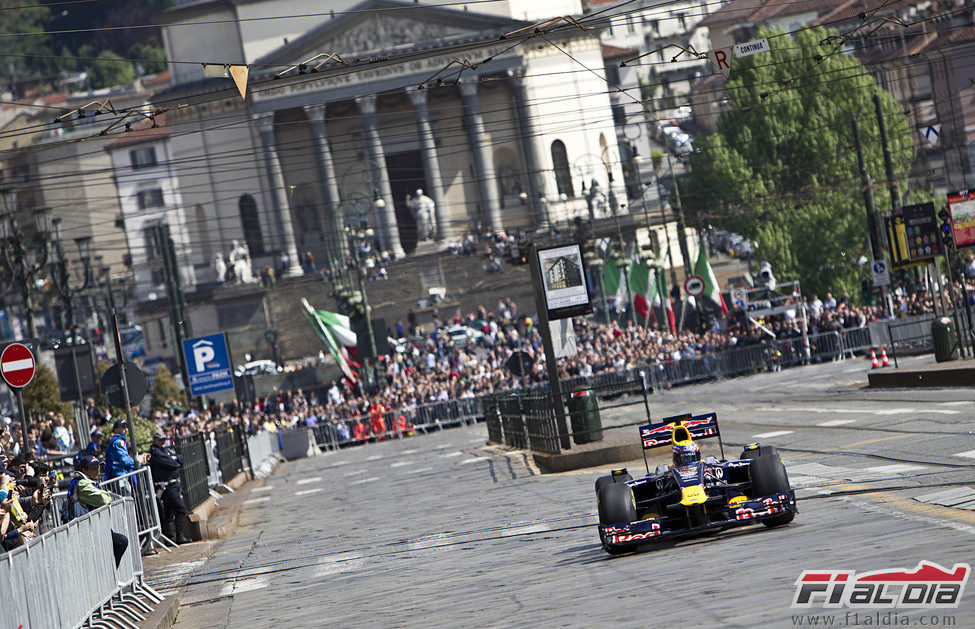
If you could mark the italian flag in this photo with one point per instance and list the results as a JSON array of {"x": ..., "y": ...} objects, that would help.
[
  {"x": 612, "y": 282},
  {"x": 643, "y": 287},
  {"x": 702, "y": 269},
  {"x": 336, "y": 334}
]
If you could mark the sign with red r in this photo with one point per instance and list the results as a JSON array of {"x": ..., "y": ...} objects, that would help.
[{"x": 721, "y": 58}]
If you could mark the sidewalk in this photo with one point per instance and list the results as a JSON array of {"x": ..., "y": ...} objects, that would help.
[{"x": 168, "y": 572}]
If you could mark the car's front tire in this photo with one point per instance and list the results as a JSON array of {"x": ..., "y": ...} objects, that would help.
[
  {"x": 769, "y": 477},
  {"x": 609, "y": 479}
]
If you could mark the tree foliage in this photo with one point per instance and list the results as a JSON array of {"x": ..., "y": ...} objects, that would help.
[
  {"x": 42, "y": 396},
  {"x": 782, "y": 168},
  {"x": 18, "y": 19},
  {"x": 110, "y": 70},
  {"x": 164, "y": 390}
]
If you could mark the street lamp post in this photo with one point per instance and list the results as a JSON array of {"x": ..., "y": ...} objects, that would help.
[
  {"x": 23, "y": 260},
  {"x": 61, "y": 277}
]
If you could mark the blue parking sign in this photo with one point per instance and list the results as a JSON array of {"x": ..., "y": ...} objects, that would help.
[{"x": 208, "y": 364}]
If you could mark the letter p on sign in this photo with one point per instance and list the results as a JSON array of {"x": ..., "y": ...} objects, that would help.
[
  {"x": 202, "y": 354},
  {"x": 721, "y": 58}
]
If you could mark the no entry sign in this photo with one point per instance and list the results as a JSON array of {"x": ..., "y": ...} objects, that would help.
[{"x": 17, "y": 365}]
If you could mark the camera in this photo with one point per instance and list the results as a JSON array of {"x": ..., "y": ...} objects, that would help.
[{"x": 33, "y": 483}]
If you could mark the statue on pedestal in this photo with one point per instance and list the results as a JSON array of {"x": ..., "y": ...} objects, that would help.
[
  {"x": 240, "y": 260},
  {"x": 220, "y": 268},
  {"x": 424, "y": 212}
]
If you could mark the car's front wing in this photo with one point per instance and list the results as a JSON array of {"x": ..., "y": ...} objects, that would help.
[{"x": 743, "y": 513}]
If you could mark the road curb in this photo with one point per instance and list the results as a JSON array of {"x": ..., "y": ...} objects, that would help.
[{"x": 164, "y": 616}]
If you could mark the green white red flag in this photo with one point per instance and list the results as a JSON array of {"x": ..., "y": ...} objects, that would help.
[{"x": 711, "y": 289}]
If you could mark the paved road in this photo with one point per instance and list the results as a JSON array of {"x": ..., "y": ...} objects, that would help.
[{"x": 441, "y": 531}]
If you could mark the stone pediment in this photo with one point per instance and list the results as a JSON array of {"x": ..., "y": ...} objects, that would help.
[
  {"x": 362, "y": 32},
  {"x": 381, "y": 32}
]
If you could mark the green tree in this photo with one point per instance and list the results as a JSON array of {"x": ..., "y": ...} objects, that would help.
[
  {"x": 164, "y": 390},
  {"x": 782, "y": 169},
  {"x": 151, "y": 58},
  {"x": 19, "y": 19},
  {"x": 41, "y": 395},
  {"x": 110, "y": 70}
]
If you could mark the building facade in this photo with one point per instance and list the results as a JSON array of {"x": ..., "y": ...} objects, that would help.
[{"x": 285, "y": 170}]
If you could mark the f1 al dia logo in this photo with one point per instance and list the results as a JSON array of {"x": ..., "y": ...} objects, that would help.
[{"x": 926, "y": 586}]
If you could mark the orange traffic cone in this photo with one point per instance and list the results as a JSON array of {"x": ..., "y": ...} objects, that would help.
[
  {"x": 883, "y": 358},
  {"x": 873, "y": 359}
]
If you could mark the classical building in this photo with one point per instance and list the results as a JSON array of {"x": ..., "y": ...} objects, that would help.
[{"x": 508, "y": 146}]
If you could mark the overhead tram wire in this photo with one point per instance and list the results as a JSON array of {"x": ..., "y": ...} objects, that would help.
[
  {"x": 114, "y": 196},
  {"x": 245, "y": 154},
  {"x": 851, "y": 186},
  {"x": 41, "y": 147},
  {"x": 587, "y": 17},
  {"x": 409, "y": 131}
]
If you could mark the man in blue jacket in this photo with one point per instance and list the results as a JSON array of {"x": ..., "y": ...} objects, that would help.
[{"x": 118, "y": 460}]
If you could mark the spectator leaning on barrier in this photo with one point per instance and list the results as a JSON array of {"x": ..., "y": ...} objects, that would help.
[
  {"x": 84, "y": 491},
  {"x": 165, "y": 466},
  {"x": 118, "y": 461}
]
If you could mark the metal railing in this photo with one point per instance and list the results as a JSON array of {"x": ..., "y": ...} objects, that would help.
[
  {"x": 139, "y": 485},
  {"x": 229, "y": 453},
  {"x": 68, "y": 576},
  {"x": 193, "y": 475}
]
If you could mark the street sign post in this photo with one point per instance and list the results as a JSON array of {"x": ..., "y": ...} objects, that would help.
[
  {"x": 881, "y": 274},
  {"x": 17, "y": 367},
  {"x": 136, "y": 383},
  {"x": 694, "y": 286},
  {"x": 208, "y": 364}
]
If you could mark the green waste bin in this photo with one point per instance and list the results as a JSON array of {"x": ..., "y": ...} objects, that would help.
[
  {"x": 584, "y": 415},
  {"x": 943, "y": 335}
]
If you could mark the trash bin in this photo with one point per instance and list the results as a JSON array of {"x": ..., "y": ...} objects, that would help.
[
  {"x": 943, "y": 336},
  {"x": 583, "y": 410}
]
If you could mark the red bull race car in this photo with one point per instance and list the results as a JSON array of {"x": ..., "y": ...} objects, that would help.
[{"x": 693, "y": 496}]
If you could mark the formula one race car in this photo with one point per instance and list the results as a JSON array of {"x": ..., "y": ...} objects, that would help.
[{"x": 693, "y": 496}]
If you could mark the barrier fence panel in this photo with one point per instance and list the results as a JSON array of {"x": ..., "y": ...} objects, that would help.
[
  {"x": 512, "y": 422},
  {"x": 540, "y": 426},
  {"x": 139, "y": 485},
  {"x": 193, "y": 476},
  {"x": 492, "y": 418},
  {"x": 229, "y": 457},
  {"x": 44, "y": 588}
]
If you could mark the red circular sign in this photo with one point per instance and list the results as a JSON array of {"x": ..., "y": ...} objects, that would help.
[{"x": 17, "y": 365}]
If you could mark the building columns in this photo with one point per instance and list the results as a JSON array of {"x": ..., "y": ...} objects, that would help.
[
  {"x": 529, "y": 144},
  {"x": 265, "y": 125},
  {"x": 481, "y": 150},
  {"x": 388, "y": 228},
  {"x": 334, "y": 222},
  {"x": 431, "y": 162}
]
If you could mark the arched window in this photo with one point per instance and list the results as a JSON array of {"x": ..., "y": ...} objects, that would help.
[
  {"x": 563, "y": 177},
  {"x": 251, "y": 225}
]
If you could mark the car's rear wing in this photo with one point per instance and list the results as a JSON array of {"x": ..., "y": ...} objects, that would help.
[{"x": 699, "y": 426}]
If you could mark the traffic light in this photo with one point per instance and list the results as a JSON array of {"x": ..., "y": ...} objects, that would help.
[{"x": 947, "y": 235}]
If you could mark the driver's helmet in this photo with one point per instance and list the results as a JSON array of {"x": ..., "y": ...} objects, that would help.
[{"x": 686, "y": 453}]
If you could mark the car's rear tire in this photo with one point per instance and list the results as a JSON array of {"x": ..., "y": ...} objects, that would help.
[
  {"x": 610, "y": 479},
  {"x": 769, "y": 477}
]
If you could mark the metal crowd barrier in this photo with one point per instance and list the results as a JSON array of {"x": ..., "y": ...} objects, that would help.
[
  {"x": 229, "y": 457},
  {"x": 193, "y": 476},
  {"x": 265, "y": 453},
  {"x": 67, "y": 577},
  {"x": 139, "y": 485},
  {"x": 340, "y": 433}
]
